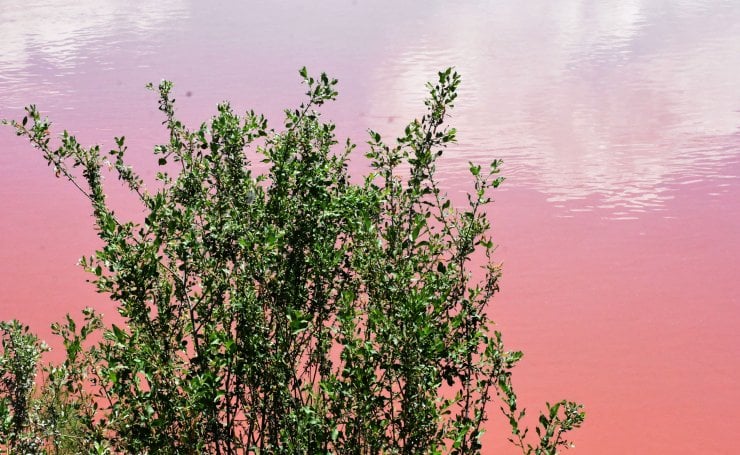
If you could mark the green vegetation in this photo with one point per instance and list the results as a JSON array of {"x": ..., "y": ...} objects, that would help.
[{"x": 276, "y": 308}]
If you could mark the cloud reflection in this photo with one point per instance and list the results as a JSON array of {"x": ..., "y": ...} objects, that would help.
[
  {"x": 583, "y": 98},
  {"x": 56, "y": 33}
]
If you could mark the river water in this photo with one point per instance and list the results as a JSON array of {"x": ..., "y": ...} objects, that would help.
[{"x": 618, "y": 122}]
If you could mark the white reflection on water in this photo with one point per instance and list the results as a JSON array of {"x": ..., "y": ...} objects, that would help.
[
  {"x": 613, "y": 101},
  {"x": 46, "y": 30},
  {"x": 52, "y": 38}
]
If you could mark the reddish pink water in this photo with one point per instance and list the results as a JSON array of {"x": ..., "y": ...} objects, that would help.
[{"x": 619, "y": 223}]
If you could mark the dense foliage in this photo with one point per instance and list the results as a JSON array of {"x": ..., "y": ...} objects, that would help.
[{"x": 276, "y": 307}]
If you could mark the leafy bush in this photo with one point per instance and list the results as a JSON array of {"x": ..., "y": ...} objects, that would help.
[
  {"x": 21, "y": 353},
  {"x": 279, "y": 307}
]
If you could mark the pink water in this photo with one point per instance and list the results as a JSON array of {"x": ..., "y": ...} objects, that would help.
[{"x": 618, "y": 121}]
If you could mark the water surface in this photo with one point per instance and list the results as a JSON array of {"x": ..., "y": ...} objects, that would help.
[{"x": 619, "y": 223}]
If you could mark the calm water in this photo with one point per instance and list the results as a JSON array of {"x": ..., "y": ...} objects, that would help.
[{"x": 618, "y": 121}]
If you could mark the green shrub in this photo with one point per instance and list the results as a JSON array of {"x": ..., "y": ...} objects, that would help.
[
  {"x": 21, "y": 352},
  {"x": 279, "y": 307}
]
